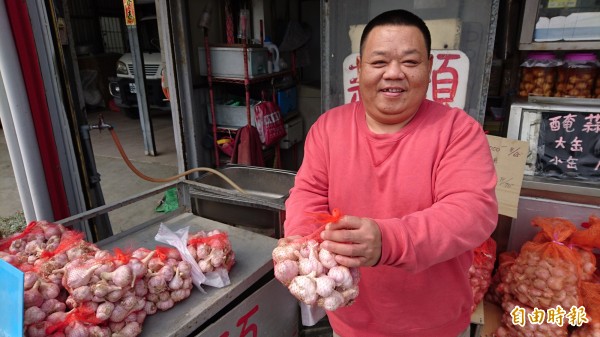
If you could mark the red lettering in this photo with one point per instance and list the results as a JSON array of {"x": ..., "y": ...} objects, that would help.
[
  {"x": 445, "y": 80},
  {"x": 247, "y": 329}
]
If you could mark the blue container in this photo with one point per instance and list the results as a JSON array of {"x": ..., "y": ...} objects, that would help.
[
  {"x": 287, "y": 99},
  {"x": 11, "y": 300}
]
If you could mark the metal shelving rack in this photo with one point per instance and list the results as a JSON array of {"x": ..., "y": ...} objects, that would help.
[{"x": 246, "y": 81}]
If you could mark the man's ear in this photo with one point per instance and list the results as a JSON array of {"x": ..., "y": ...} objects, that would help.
[{"x": 358, "y": 64}]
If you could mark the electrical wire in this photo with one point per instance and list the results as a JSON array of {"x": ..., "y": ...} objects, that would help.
[{"x": 115, "y": 138}]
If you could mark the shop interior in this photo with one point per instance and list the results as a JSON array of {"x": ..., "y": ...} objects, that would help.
[{"x": 531, "y": 65}]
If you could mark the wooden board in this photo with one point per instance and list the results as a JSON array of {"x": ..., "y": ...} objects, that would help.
[
  {"x": 253, "y": 261},
  {"x": 493, "y": 314}
]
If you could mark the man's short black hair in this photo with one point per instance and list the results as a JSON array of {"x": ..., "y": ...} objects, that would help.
[{"x": 397, "y": 17}]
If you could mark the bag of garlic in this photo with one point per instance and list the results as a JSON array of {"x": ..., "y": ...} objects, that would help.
[
  {"x": 500, "y": 279},
  {"x": 549, "y": 268},
  {"x": 480, "y": 272},
  {"x": 178, "y": 239},
  {"x": 591, "y": 302},
  {"x": 311, "y": 273},
  {"x": 520, "y": 320}
]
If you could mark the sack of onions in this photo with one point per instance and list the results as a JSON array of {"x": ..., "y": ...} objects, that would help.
[
  {"x": 501, "y": 277},
  {"x": 311, "y": 273},
  {"x": 547, "y": 271},
  {"x": 480, "y": 272},
  {"x": 211, "y": 250}
]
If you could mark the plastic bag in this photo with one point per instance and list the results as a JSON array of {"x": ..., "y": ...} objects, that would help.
[
  {"x": 311, "y": 314},
  {"x": 269, "y": 122},
  {"x": 178, "y": 240}
]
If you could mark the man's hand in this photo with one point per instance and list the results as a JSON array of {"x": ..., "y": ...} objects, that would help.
[{"x": 356, "y": 241}]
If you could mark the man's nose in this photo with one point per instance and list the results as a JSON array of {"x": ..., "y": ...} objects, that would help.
[{"x": 394, "y": 71}]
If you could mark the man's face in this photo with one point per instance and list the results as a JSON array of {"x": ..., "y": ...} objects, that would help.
[{"x": 393, "y": 76}]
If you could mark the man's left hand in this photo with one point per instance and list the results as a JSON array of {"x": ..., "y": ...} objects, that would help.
[{"x": 356, "y": 241}]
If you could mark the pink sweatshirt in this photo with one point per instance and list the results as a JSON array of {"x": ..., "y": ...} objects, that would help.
[{"x": 431, "y": 189}]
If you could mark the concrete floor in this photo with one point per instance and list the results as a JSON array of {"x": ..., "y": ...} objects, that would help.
[{"x": 118, "y": 182}]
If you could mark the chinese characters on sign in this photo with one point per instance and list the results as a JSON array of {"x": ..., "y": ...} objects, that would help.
[
  {"x": 569, "y": 145},
  {"x": 129, "y": 12},
  {"x": 509, "y": 160},
  {"x": 575, "y": 317},
  {"x": 448, "y": 84},
  {"x": 247, "y": 329}
]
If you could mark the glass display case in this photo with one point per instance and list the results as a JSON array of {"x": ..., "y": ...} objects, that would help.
[{"x": 560, "y": 25}]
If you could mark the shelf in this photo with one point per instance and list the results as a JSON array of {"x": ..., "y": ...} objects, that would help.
[
  {"x": 561, "y": 45},
  {"x": 257, "y": 79},
  {"x": 530, "y": 17}
]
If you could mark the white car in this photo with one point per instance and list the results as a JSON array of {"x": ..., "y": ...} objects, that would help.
[{"x": 123, "y": 87}]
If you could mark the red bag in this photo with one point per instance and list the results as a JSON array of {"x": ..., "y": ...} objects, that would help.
[{"x": 269, "y": 122}]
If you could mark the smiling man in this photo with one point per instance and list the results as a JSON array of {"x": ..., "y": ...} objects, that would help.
[{"x": 415, "y": 180}]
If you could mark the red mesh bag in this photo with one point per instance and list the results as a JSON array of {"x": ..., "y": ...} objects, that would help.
[
  {"x": 480, "y": 272},
  {"x": 591, "y": 301},
  {"x": 311, "y": 273},
  {"x": 517, "y": 322},
  {"x": 547, "y": 271},
  {"x": 500, "y": 279}
]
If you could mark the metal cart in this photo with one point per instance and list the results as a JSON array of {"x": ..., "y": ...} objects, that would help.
[{"x": 253, "y": 304}]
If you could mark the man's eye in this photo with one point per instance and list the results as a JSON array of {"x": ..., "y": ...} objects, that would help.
[
  {"x": 411, "y": 62},
  {"x": 378, "y": 63}
]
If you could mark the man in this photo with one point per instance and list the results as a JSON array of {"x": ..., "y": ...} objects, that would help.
[{"x": 415, "y": 181}]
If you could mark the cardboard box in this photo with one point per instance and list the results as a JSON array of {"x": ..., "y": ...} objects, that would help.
[
  {"x": 493, "y": 315},
  {"x": 294, "y": 133}
]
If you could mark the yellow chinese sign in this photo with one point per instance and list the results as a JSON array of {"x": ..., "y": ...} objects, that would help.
[
  {"x": 562, "y": 3},
  {"x": 129, "y": 12},
  {"x": 575, "y": 317}
]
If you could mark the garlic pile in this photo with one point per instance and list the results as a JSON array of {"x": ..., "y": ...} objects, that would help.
[
  {"x": 211, "y": 250},
  {"x": 74, "y": 289},
  {"x": 313, "y": 276},
  {"x": 509, "y": 329}
]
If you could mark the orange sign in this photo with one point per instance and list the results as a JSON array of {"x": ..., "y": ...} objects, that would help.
[{"x": 129, "y": 12}]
